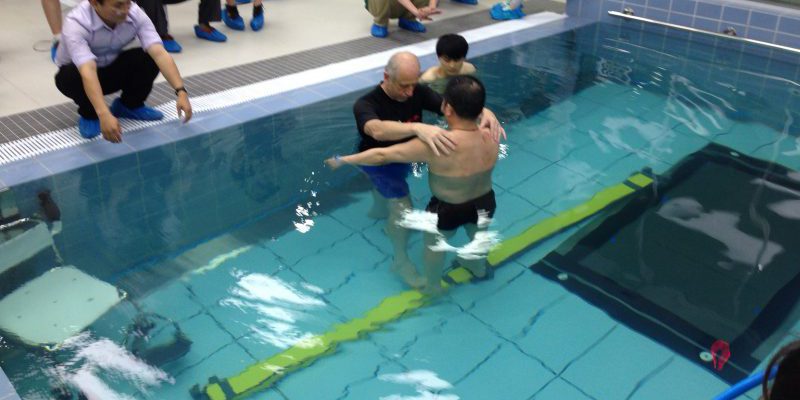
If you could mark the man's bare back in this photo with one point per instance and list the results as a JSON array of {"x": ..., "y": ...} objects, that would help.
[{"x": 466, "y": 173}]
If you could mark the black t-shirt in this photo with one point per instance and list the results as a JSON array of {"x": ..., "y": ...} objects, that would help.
[{"x": 378, "y": 105}]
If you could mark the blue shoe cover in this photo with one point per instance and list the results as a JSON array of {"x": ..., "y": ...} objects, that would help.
[
  {"x": 236, "y": 23},
  {"x": 379, "y": 31},
  {"x": 142, "y": 113},
  {"x": 470, "y": 2},
  {"x": 411, "y": 25},
  {"x": 88, "y": 128},
  {"x": 243, "y": 1},
  {"x": 213, "y": 36},
  {"x": 499, "y": 12},
  {"x": 257, "y": 23},
  {"x": 172, "y": 46},
  {"x": 53, "y": 51}
]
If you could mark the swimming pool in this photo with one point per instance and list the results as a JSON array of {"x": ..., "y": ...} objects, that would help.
[{"x": 250, "y": 245}]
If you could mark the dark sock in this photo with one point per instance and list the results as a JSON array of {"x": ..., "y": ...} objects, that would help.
[
  {"x": 258, "y": 10},
  {"x": 232, "y": 11}
]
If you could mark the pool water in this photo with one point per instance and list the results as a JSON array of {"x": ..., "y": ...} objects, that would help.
[{"x": 244, "y": 240}]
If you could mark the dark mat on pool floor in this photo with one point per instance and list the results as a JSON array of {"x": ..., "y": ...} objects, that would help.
[{"x": 709, "y": 253}]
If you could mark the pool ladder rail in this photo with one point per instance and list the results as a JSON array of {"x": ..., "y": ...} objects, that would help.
[{"x": 728, "y": 33}]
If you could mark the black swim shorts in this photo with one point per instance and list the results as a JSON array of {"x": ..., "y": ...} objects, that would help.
[{"x": 451, "y": 216}]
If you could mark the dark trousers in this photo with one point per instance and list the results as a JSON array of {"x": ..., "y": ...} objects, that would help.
[
  {"x": 133, "y": 72},
  {"x": 208, "y": 11}
]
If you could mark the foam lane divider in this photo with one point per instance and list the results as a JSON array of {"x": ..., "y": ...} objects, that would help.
[{"x": 265, "y": 373}]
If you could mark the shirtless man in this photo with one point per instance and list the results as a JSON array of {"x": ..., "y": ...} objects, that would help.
[{"x": 461, "y": 181}]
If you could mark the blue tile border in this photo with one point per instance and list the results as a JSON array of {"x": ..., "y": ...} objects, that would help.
[
  {"x": 98, "y": 150},
  {"x": 775, "y": 24}
]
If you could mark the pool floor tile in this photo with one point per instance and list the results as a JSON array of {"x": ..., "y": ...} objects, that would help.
[
  {"x": 555, "y": 144},
  {"x": 294, "y": 245},
  {"x": 748, "y": 137},
  {"x": 333, "y": 266},
  {"x": 681, "y": 379},
  {"x": 365, "y": 291},
  {"x": 558, "y": 389},
  {"x": 513, "y": 309},
  {"x": 226, "y": 362},
  {"x": 396, "y": 338},
  {"x": 626, "y": 359},
  {"x": 173, "y": 301},
  {"x": 564, "y": 331},
  {"x": 548, "y": 184},
  {"x": 207, "y": 338},
  {"x": 330, "y": 377},
  {"x": 452, "y": 350},
  {"x": 520, "y": 165},
  {"x": 785, "y": 152},
  {"x": 507, "y": 374}
]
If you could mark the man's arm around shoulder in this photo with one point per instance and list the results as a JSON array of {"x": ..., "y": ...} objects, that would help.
[{"x": 412, "y": 151}]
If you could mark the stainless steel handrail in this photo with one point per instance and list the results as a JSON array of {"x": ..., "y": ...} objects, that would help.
[{"x": 690, "y": 29}]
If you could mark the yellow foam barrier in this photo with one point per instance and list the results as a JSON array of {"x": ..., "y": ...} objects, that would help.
[{"x": 263, "y": 374}]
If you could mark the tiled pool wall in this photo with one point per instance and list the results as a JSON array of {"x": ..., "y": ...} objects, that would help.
[
  {"x": 634, "y": 53},
  {"x": 753, "y": 20},
  {"x": 154, "y": 202}
]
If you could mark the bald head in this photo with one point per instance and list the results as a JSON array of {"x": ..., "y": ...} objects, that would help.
[{"x": 402, "y": 64}]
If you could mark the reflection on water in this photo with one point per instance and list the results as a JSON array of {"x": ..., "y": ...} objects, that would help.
[
  {"x": 96, "y": 363},
  {"x": 426, "y": 383},
  {"x": 476, "y": 249},
  {"x": 722, "y": 226},
  {"x": 279, "y": 305}
]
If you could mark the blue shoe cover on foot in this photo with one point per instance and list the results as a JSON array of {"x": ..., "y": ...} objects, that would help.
[
  {"x": 53, "y": 51},
  {"x": 88, "y": 128},
  {"x": 411, "y": 25},
  {"x": 379, "y": 31},
  {"x": 470, "y": 2},
  {"x": 213, "y": 36},
  {"x": 498, "y": 12},
  {"x": 172, "y": 46},
  {"x": 257, "y": 23},
  {"x": 236, "y": 23},
  {"x": 142, "y": 113}
]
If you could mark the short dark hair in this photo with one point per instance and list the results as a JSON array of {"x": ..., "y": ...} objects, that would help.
[
  {"x": 452, "y": 46},
  {"x": 467, "y": 95}
]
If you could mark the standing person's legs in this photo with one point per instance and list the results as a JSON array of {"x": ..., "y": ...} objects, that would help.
[
  {"x": 209, "y": 11},
  {"x": 434, "y": 262},
  {"x": 52, "y": 12},
  {"x": 157, "y": 14},
  {"x": 380, "y": 11}
]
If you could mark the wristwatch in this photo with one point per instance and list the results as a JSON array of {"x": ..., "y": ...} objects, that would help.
[{"x": 180, "y": 89}]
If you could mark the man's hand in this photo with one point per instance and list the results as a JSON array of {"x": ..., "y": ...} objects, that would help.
[
  {"x": 424, "y": 13},
  {"x": 436, "y": 138},
  {"x": 184, "y": 107},
  {"x": 490, "y": 124},
  {"x": 334, "y": 163},
  {"x": 109, "y": 126}
]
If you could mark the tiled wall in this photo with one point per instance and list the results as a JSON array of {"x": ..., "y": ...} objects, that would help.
[{"x": 764, "y": 22}]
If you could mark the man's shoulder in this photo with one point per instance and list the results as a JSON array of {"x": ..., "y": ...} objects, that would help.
[{"x": 429, "y": 75}]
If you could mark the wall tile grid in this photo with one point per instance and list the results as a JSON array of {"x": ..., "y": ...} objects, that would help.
[
  {"x": 709, "y": 61},
  {"x": 768, "y": 23}
]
